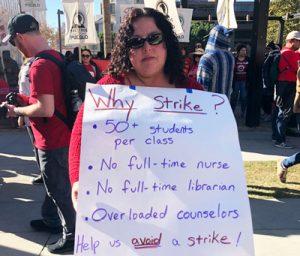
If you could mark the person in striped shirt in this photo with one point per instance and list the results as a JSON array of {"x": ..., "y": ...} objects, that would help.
[{"x": 216, "y": 66}]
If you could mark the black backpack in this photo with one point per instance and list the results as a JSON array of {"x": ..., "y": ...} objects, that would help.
[
  {"x": 70, "y": 89},
  {"x": 271, "y": 70}
]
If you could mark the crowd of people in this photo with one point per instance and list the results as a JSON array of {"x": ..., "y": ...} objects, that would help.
[{"x": 146, "y": 53}]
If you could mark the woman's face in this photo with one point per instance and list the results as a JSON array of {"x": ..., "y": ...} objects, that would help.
[
  {"x": 86, "y": 57},
  {"x": 242, "y": 52},
  {"x": 148, "y": 60}
]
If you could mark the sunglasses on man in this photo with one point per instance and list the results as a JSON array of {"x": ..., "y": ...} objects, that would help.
[
  {"x": 12, "y": 39},
  {"x": 138, "y": 42}
]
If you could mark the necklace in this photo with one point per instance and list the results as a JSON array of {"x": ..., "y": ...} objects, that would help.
[
  {"x": 149, "y": 84},
  {"x": 139, "y": 79}
]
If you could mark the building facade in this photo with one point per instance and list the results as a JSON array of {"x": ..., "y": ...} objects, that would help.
[{"x": 11, "y": 8}]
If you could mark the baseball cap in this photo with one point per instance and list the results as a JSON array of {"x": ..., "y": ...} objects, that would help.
[
  {"x": 293, "y": 35},
  {"x": 21, "y": 23}
]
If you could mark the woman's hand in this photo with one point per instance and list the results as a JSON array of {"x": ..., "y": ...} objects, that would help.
[{"x": 75, "y": 194}]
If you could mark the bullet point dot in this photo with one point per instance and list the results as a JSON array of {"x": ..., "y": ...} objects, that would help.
[
  {"x": 87, "y": 192},
  {"x": 90, "y": 167},
  {"x": 86, "y": 218},
  {"x": 95, "y": 126}
]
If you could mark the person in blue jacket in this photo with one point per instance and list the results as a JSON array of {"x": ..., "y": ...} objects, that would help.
[{"x": 216, "y": 66}]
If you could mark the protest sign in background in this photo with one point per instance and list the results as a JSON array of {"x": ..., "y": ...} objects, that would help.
[
  {"x": 225, "y": 14},
  {"x": 161, "y": 173},
  {"x": 80, "y": 23},
  {"x": 184, "y": 14},
  {"x": 33, "y": 5},
  {"x": 168, "y": 8}
]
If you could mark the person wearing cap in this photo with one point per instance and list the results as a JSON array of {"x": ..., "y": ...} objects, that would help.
[
  {"x": 282, "y": 166},
  {"x": 52, "y": 135},
  {"x": 215, "y": 71},
  {"x": 286, "y": 88}
]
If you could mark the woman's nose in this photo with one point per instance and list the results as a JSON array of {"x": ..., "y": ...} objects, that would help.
[{"x": 147, "y": 46}]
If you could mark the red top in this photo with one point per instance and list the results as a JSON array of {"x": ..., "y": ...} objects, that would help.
[
  {"x": 90, "y": 69},
  {"x": 240, "y": 69},
  {"x": 75, "y": 143},
  {"x": 46, "y": 78},
  {"x": 4, "y": 90},
  {"x": 187, "y": 65},
  {"x": 193, "y": 72},
  {"x": 289, "y": 63}
]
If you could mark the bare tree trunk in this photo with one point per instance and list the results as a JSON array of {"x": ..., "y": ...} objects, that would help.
[{"x": 106, "y": 27}]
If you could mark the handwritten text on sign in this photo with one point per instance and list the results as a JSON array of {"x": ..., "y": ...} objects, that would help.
[{"x": 161, "y": 174}]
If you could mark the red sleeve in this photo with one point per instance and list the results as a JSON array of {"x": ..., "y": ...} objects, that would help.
[
  {"x": 75, "y": 145},
  {"x": 24, "y": 100},
  {"x": 193, "y": 84},
  {"x": 288, "y": 59}
]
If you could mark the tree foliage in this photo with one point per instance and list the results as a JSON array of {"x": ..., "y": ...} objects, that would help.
[
  {"x": 101, "y": 39},
  {"x": 281, "y": 8},
  {"x": 51, "y": 35},
  {"x": 198, "y": 34}
]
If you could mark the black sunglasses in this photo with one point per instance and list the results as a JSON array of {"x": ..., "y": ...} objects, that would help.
[
  {"x": 138, "y": 42},
  {"x": 11, "y": 39},
  {"x": 85, "y": 56}
]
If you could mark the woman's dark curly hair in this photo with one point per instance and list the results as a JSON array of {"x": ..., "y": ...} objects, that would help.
[{"x": 120, "y": 62}]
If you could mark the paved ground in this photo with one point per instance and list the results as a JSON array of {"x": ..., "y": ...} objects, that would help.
[{"x": 276, "y": 223}]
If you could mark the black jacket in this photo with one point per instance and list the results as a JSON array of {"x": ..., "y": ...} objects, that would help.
[{"x": 80, "y": 76}]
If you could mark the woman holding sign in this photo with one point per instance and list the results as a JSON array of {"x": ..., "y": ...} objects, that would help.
[{"x": 146, "y": 53}]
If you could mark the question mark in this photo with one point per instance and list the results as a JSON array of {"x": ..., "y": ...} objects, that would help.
[{"x": 220, "y": 103}]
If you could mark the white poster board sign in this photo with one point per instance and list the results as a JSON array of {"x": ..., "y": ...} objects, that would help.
[
  {"x": 161, "y": 173},
  {"x": 185, "y": 17},
  {"x": 33, "y": 5},
  {"x": 80, "y": 22},
  {"x": 225, "y": 14}
]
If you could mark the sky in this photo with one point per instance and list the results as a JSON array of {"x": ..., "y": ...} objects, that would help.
[{"x": 54, "y": 5}]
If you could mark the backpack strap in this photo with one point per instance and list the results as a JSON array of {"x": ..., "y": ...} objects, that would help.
[{"x": 61, "y": 65}]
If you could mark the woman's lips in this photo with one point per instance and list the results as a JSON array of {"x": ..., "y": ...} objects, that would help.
[{"x": 148, "y": 58}]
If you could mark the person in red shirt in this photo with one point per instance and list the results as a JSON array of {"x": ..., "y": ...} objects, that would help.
[
  {"x": 52, "y": 135},
  {"x": 286, "y": 88},
  {"x": 196, "y": 56},
  {"x": 146, "y": 53},
  {"x": 187, "y": 62},
  {"x": 285, "y": 164},
  {"x": 4, "y": 90}
]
